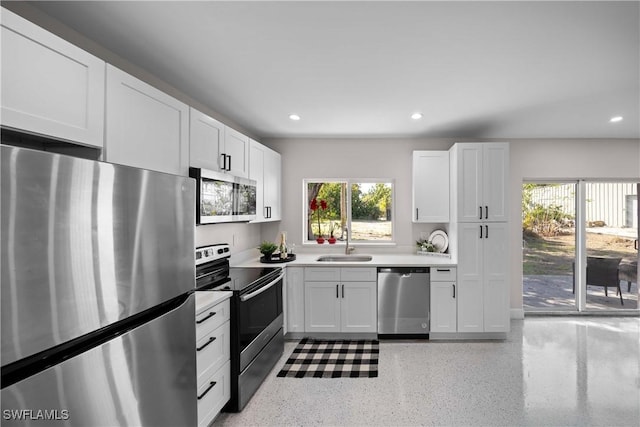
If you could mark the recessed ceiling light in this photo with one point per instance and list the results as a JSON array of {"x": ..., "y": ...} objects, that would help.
[
  {"x": 294, "y": 117},
  {"x": 615, "y": 119},
  {"x": 416, "y": 116}
]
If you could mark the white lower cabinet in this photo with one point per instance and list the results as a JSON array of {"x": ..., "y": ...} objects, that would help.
[
  {"x": 340, "y": 299},
  {"x": 483, "y": 294},
  {"x": 213, "y": 360},
  {"x": 294, "y": 300},
  {"x": 443, "y": 305}
]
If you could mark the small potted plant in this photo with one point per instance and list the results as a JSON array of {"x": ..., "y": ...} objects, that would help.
[
  {"x": 425, "y": 246},
  {"x": 316, "y": 207},
  {"x": 332, "y": 227},
  {"x": 267, "y": 249}
]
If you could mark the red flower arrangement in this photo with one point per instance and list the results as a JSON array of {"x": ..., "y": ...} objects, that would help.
[{"x": 316, "y": 206}]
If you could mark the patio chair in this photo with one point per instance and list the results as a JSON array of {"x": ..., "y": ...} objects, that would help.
[
  {"x": 603, "y": 272},
  {"x": 629, "y": 272}
]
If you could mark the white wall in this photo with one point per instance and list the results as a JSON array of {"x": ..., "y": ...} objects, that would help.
[
  {"x": 391, "y": 158},
  {"x": 560, "y": 160},
  {"x": 348, "y": 158},
  {"x": 241, "y": 236}
]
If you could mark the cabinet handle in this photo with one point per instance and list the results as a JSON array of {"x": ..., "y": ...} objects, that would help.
[
  {"x": 486, "y": 231},
  {"x": 229, "y": 167},
  {"x": 454, "y": 290},
  {"x": 480, "y": 209},
  {"x": 211, "y": 384},
  {"x": 635, "y": 244},
  {"x": 443, "y": 269},
  {"x": 211, "y": 314},
  {"x": 212, "y": 339},
  {"x": 481, "y": 232},
  {"x": 224, "y": 161},
  {"x": 417, "y": 216},
  {"x": 486, "y": 212},
  {"x": 343, "y": 291},
  {"x": 269, "y": 211},
  {"x": 337, "y": 292}
]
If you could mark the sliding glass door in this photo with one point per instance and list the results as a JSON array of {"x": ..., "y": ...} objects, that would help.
[
  {"x": 548, "y": 246},
  {"x": 580, "y": 246},
  {"x": 611, "y": 241}
]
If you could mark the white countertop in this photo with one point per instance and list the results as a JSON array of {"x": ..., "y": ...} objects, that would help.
[
  {"x": 378, "y": 260},
  {"x": 206, "y": 299}
]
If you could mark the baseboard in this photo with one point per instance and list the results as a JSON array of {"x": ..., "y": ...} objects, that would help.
[
  {"x": 467, "y": 336},
  {"x": 517, "y": 313}
]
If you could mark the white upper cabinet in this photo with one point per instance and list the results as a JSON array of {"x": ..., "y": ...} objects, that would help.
[
  {"x": 430, "y": 186},
  {"x": 479, "y": 174},
  {"x": 265, "y": 167},
  {"x": 217, "y": 147},
  {"x": 49, "y": 86},
  {"x": 145, "y": 127},
  {"x": 236, "y": 151},
  {"x": 206, "y": 141}
]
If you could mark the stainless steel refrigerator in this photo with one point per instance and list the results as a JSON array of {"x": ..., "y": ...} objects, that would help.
[{"x": 97, "y": 293}]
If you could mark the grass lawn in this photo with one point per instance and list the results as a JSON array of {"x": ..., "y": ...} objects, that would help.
[{"x": 555, "y": 255}]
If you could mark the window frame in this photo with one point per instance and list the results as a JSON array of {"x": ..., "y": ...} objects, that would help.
[{"x": 349, "y": 182}]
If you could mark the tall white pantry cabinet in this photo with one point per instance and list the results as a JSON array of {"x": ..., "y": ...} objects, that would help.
[{"x": 479, "y": 212}]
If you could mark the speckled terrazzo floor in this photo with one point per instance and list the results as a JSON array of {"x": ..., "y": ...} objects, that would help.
[{"x": 550, "y": 371}]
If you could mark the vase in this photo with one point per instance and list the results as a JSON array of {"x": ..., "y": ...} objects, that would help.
[
  {"x": 332, "y": 240},
  {"x": 320, "y": 240}
]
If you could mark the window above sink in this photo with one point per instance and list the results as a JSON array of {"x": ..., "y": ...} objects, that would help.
[{"x": 363, "y": 206}]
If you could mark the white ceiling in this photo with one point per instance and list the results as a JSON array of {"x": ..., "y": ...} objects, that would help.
[{"x": 474, "y": 69}]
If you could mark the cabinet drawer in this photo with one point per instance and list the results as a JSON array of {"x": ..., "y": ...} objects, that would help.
[
  {"x": 443, "y": 274},
  {"x": 355, "y": 274},
  {"x": 211, "y": 318},
  {"x": 322, "y": 274},
  {"x": 213, "y": 394},
  {"x": 212, "y": 351}
]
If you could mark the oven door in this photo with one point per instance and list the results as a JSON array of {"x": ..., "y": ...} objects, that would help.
[
  {"x": 259, "y": 318},
  {"x": 211, "y": 276}
]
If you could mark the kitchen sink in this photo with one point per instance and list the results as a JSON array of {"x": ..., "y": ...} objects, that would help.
[{"x": 345, "y": 258}]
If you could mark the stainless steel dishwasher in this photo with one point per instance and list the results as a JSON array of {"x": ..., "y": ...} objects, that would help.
[{"x": 403, "y": 302}]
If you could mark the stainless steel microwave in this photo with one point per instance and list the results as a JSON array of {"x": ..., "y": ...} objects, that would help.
[{"x": 223, "y": 198}]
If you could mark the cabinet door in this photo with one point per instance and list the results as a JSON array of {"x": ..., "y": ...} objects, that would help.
[
  {"x": 470, "y": 278},
  {"x": 294, "y": 306},
  {"x": 273, "y": 184},
  {"x": 321, "y": 307},
  {"x": 469, "y": 182},
  {"x": 206, "y": 138},
  {"x": 146, "y": 128},
  {"x": 496, "y": 276},
  {"x": 358, "y": 312},
  {"x": 256, "y": 172},
  {"x": 49, "y": 86},
  {"x": 495, "y": 178},
  {"x": 430, "y": 186},
  {"x": 443, "y": 307},
  {"x": 236, "y": 147}
]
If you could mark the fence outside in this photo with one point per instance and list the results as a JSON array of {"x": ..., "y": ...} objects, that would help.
[{"x": 615, "y": 204}]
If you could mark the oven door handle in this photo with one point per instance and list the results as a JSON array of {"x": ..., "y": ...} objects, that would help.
[{"x": 247, "y": 297}]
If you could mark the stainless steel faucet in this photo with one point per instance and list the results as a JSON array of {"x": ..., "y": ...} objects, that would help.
[{"x": 347, "y": 249}]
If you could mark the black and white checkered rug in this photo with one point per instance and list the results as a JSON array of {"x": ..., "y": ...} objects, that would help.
[{"x": 333, "y": 359}]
